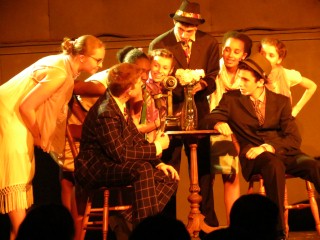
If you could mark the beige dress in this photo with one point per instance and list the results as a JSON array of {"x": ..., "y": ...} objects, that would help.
[{"x": 16, "y": 142}]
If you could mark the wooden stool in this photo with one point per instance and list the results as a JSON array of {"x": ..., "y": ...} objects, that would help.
[
  {"x": 312, "y": 201},
  {"x": 73, "y": 134},
  {"x": 98, "y": 218}
]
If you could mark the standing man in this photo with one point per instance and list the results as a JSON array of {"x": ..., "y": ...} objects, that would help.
[
  {"x": 192, "y": 49},
  {"x": 267, "y": 133}
]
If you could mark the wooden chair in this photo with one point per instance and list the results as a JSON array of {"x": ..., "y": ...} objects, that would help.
[
  {"x": 91, "y": 214},
  {"x": 312, "y": 201}
]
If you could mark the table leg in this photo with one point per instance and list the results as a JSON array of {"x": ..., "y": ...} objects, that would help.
[{"x": 195, "y": 219}]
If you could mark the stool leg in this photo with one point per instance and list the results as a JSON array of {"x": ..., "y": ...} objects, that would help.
[
  {"x": 286, "y": 211},
  {"x": 105, "y": 216},
  {"x": 86, "y": 218},
  {"x": 250, "y": 188},
  {"x": 262, "y": 190},
  {"x": 313, "y": 205}
]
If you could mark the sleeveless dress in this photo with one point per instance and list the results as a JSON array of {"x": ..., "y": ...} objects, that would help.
[{"x": 16, "y": 142}]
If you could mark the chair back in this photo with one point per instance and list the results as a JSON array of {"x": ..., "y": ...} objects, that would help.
[
  {"x": 73, "y": 134},
  {"x": 73, "y": 131}
]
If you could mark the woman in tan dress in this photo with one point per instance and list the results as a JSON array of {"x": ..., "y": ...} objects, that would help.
[{"x": 33, "y": 112}]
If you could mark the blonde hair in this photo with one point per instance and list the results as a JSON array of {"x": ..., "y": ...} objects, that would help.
[{"x": 85, "y": 45}]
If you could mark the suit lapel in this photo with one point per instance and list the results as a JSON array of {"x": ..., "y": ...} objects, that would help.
[
  {"x": 247, "y": 104},
  {"x": 177, "y": 51},
  {"x": 179, "y": 55},
  {"x": 270, "y": 103},
  {"x": 117, "y": 110},
  {"x": 195, "y": 52}
]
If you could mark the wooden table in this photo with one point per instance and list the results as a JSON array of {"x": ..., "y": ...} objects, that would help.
[{"x": 195, "y": 218}]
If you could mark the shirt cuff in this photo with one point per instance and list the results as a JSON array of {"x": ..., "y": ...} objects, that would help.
[{"x": 268, "y": 147}]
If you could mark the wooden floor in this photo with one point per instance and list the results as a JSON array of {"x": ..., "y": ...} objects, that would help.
[
  {"x": 96, "y": 235},
  {"x": 310, "y": 235},
  {"x": 303, "y": 235}
]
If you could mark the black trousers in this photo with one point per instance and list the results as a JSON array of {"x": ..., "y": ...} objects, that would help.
[{"x": 273, "y": 169}]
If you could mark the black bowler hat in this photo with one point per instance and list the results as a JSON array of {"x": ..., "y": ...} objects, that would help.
[
  {"x": 259, "y": 64},
  {"x": 188, "y": 12}
]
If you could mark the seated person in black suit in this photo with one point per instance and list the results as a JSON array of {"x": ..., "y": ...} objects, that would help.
[{"x": 267, "y": 133}]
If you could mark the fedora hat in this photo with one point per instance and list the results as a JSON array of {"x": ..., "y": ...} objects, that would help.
[
  {"x": 259, "y": 64},
  {"x": 188, "y": 12}
]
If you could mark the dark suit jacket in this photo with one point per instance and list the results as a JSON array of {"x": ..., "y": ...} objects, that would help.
[
  {"x": 108, "y": 139},
  {"x": 278, "y": 130},
  {"x": 204, "y": 55}
]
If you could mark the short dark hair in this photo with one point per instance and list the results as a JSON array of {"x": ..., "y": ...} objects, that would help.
[
  {"x": 159, "y": 227},
  {"x": 130, "y": 54},
  {"x": 255, "y": 214},
  {"x": 240, "y": 36},
  {"x": 48, "y": 221}
]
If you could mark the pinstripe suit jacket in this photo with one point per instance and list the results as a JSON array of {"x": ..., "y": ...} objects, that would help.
[
  {"x": 204, "y": 55},
  {"x": 108, "y": 139}
]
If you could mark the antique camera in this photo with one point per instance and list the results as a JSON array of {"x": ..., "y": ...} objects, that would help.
[{"x": 167, "y": 120}]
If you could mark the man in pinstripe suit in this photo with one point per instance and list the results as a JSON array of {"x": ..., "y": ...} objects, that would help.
[{"x": 114, "y": 153}]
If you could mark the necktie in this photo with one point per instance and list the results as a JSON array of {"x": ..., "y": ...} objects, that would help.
[
  {"x": 125, "y": 114},
  {"x": 187, "y": 50},
  {"x": 143, "y": 118},
  {"x": 257, "y": 109}
]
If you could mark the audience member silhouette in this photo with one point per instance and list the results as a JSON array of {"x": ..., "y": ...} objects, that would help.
[
  {"x": 252, "y": 217},
  {"x": 47, "y": 222},
  {"x": 159, "y": 227}
]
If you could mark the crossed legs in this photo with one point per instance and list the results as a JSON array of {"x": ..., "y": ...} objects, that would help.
[{"x": 152, "y": 188}]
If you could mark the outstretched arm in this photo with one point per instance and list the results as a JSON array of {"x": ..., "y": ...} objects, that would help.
[{"x": 310, "y": 87}]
